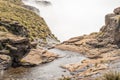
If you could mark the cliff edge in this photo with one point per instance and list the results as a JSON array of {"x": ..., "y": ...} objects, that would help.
[
  {"x": 21, "y": 32},
  {"x": 102, "y": 50}
]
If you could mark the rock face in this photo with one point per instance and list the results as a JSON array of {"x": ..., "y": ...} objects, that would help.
[
  {"x": 21, "y": 31},
  {"x": 15, "y": 47},
  {"x": 18, "y": 51},
  {"x": 23, "y": 22},
  {"x": 101, "y": 48}
]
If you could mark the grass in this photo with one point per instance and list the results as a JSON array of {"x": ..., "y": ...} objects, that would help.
[
  {"x": 35, "y": 25},
  {"x": 17, "y": 2},
  {"x": 110, "y": 76}
]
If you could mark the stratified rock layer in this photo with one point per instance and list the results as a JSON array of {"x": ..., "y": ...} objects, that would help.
[
  {"x": 101, "y": 48},
  {"x": 16, "y": 51},
  {"x": 21, "y": 31}
]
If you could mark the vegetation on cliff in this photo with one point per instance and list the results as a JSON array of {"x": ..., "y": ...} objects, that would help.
[
  {"x": 20, "y": 21},
  {"x": 20, "y": 32}
]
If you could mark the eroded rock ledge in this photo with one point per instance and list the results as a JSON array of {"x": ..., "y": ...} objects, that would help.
[
  {"x": 21, "y": 32},
  {"x": 16, "y": 51},
  {"x": 101, "y": 48}
]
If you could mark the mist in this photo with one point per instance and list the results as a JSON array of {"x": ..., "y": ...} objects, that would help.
[{"x": 71, "y": 18}]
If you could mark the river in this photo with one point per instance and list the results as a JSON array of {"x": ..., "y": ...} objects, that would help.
[
  {"x": 48, "y": 71},
  {"x": 70, "y": 18}
]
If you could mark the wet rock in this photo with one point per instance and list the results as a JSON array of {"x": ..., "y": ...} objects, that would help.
[{"x": 37, "y": 56}]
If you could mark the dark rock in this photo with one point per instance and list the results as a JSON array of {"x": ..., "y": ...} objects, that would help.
[
  {"x": 15, "y": 28},
  {"x": 14, "y": 46}
]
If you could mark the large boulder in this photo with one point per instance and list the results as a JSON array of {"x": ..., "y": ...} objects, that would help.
[{"x": 37, "y": 56}]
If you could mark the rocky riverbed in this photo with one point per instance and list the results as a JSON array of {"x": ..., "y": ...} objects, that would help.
[
  {"x": 46, "y": 71},
  {"x": 24, "y": 54}
]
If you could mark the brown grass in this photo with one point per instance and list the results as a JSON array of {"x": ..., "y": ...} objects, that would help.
[{"x": 110, "y": 76}]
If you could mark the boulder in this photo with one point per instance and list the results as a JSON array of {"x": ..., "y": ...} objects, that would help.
[{"x": 37, "y": 56}]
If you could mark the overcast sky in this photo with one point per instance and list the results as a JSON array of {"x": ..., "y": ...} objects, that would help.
[{"x": 70, "y": 18}]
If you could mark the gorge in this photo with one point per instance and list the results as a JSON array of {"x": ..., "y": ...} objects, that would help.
[{"x": 29, "y": 50}]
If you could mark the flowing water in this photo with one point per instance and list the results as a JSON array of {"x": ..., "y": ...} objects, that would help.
[
  {"x": 70, "y": 18},
  {"x": 48, "y": 71}
]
